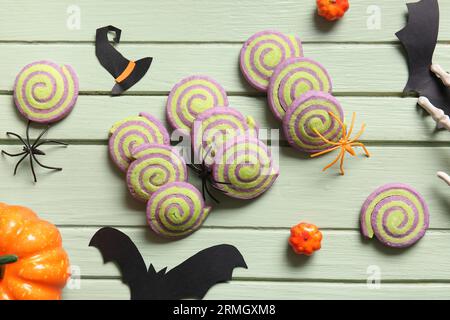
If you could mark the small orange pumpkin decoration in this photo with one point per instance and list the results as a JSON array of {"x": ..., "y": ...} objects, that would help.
[
  {"x": 332, "y": 9},
  {"x": 33, "y": 264},
  {"x": 305, "y": 238}
]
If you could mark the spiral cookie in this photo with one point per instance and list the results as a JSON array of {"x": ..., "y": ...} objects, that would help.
[
  {"x": 214, "y": 126},
  {"x": 176, "y": 209},
  {"x": 263, "y": 52},
  {"x": 293, "y": 78},
  {"x": 396, "y": 214},
  {"x": 190, "y": 97},
  {"x": 311, "y": 112},
  {"x": 130, "y": 133},
  {"x": 154, "y": 166},
  {"x": 44, "y": 92},
  {"x": 244, "y": 168}
]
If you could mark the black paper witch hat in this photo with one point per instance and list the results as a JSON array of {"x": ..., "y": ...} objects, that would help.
[{"x": 126, "y": 73}]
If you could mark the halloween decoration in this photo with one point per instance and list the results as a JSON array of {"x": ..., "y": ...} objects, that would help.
[
  {"x": 442, "y": 120},
  {"x": 293, "y": 78},
  {"x": 33, "y": 264},
  {"x": 176, "y": 210},
  {"x": 444, "y": 177},
  {"x": 132, "y": 132},
  {"x": 31, "y": 150},
  {"x": 311, "y": 112},
  {"x": 204, "y": 172},
  {"x": 125, "y": 72},
  {"x": 305, "y": 238},
  {"x": 332, "y": 9},
  {"x": 419, "y": 39},
  {"x": 441, "y": 74},
  {"x": 191, "y": 279},
  {"x": 396, "y": 214},
  {"x": 44, "y": 93},
  {"x": 154, "y": 165},
  {"x": 263, "y": 52},
  {"x": 190, "y": 97},
  {"x": 345, "y": 144}
]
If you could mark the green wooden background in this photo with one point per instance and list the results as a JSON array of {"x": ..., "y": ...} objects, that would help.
[{"x": 205, "y": 36}]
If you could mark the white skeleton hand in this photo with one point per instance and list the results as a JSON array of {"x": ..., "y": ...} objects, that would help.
[{"x": 438, "y": 115}]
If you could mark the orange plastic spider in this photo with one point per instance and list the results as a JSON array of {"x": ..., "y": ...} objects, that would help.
[{"x": 345, "y": 143}]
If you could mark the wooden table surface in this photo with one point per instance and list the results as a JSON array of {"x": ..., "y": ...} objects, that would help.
[{"x": 188, "y": 37}]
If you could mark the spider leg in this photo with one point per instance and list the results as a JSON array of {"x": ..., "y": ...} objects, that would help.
[
  {"x": 18, "y": 163},
  {"x": 210, "y": 195},
  {"x": 18, "y": 137},
  {"x": 344, "y": 127},
  {"x": 13, "y": 154},
  {"x": 220, "y": 182},
  {"x": 358, "y": 135},
  {"x": 195, "y": 168},
  {"x": 335, "y": 160},
  {"x": 39, "y": 137},
  {"x": 359, "y": 144},
  {"x": 325, "y": 139},
  {"x": 44, "y": 166},
  {"x": 214, "y": 181},
  {"x": 32, "y": 167},
  {"x": 324, "y": 152},
  {"x": 342, "y": 164},
  {"x": 50, "y": 141},
  {"x": 28, "y": 133},
  {"x": 203, "y": 189},
  {"x": 352, "y": 125}
]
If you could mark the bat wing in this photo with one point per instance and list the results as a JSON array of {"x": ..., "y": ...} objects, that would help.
[
  {"x": 194, "y": 277},
  {"x": 115, "y": 246},
  {"x": 419, "y": 38}
]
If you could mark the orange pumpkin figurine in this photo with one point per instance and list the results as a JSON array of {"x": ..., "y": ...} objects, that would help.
[
  {"x": 332, "y": 9},
  {"x": 33, "y": 264},
  {"x": 305, "y": 238}
]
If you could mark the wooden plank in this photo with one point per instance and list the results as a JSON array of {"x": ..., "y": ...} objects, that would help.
[
  {"x": 355, "y": 68},
  {"x": 344, "y": 255},
  {"x": 203, "y": 20},
  {"x": 347, "y": 63},
  {"x": 91, "y": 191},
  {"x": 113, "y": 289},
  {"x": 387, "y": 119}
]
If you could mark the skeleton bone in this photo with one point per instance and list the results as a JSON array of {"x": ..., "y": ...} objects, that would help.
[
  {"x": 441, "y": 119},
  {"x": 445, "y": 177},
  {"x": 441, "y": 74}
]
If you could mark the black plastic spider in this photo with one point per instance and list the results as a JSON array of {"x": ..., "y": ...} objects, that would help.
[
  {"x": 205, "y": 174},
  {"x": 31, "y": 150}
]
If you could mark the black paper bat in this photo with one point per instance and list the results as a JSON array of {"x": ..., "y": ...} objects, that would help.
[
  {"x": 126, "y": 73},
  {"x": 191, "y": 279},
  {"x": 419, "y": 39}
]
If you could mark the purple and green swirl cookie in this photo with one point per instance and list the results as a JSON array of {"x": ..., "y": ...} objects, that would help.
[
  {"x": 244, "y": 167},
  {"x": 192, "y": 96},
  {"x": 154, "y": 165},
  {"x": 263, "y": 52},
  {"x": 44, "y": 92},
  {"x": 176, "y": 210},
  {"x": 131, "y": 132},
  {"x": 293, "y": 78},
  {"x": 215, "y": 126},
  {"x": 396, "y": 214},
  {"x": 309, "y": 113}
]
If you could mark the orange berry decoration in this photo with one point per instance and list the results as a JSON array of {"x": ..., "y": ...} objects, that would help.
[
  {"x": 305, "y": 238},
  {"x": 33, "y": 264},
  {"x": 332, "y": 9}
]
